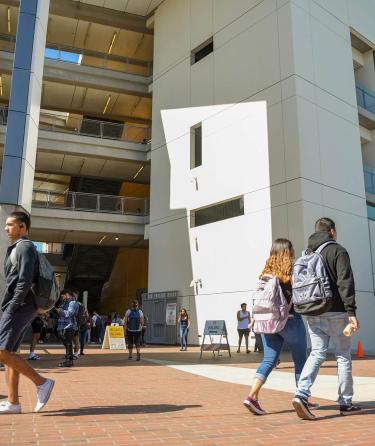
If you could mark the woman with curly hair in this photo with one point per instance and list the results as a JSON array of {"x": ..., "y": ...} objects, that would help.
[{"x": 279, "y": 264}]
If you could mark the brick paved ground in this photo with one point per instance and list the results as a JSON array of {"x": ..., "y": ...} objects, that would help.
[{"x": 107, "y": 400}]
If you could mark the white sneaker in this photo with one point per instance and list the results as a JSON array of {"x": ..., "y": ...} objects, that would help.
[
  {"x": 7, "y": 407},
  {"x": 43, "y": 393},
  {"x": 75, "y": 355},
  {"x": 33, "y": 357}
]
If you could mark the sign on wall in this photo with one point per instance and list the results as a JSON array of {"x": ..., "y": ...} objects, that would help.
[
  {"x": 171, "y": 313},
  {"x": 162, "y": 295}
]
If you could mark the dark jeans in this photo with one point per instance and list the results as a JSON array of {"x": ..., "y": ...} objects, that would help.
[
  {"x": 67, "y": 339},
  {"x": 184, "y": 331},
  {"x": 258, "y": 347},
  {"x": 82, "y": 339}
]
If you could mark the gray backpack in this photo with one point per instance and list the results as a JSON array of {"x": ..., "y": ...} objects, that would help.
[
  {"x": 312, "y": 293},
  {"x": 45, "y": 289}
]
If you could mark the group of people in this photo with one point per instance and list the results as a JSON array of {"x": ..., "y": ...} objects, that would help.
[
  {"x": 73, "y": 322},
  {"x": 322, "y": 328}
]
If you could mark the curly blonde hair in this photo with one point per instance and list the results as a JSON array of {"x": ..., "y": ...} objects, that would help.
[{"x": 280, "y": 261}]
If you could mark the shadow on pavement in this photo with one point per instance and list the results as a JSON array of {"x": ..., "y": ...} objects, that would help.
[{"x": 119, "y": 410}]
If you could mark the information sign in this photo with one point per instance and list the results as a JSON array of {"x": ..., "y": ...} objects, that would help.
[
  {"x": 212, "y": 329},
  {"x": 171, "y": 313},
  {"x": 114, "y": 338}
]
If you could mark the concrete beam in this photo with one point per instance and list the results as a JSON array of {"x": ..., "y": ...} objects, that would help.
[
  {"x": 95, "y": 222},
  {"x": 84, "y": 76},
  {"x": 94, "y": 14}
]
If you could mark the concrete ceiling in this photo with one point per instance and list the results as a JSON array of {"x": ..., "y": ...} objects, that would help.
[
  {"x": 87, "y": 101},
  {"x": 139, "y": 7},
  {"x": 86, "y": 238}
]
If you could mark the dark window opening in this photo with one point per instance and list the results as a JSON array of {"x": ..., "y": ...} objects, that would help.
[
  {"x": 202, "y": 51},
  {"x": 196, "y": 146},
  {"x": 103, "y": 128},
  {"x": 218, "y": 212}
]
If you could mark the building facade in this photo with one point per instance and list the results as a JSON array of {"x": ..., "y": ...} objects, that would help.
[{"x": 262, "y": 116}]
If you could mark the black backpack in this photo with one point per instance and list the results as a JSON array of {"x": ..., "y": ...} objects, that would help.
[
  {"x": 81, "y": 316},
  {"x": 45, "y": 288}
]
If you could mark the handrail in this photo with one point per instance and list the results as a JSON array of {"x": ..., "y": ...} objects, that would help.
[
  {"x": 88, "y": 202},
  {"x": 105, "y": 58},
  {"x": 365, "y": 98},
  {"x": 88, "y": 127}
]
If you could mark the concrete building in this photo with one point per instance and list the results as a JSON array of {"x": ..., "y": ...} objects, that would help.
[{"x": 263, "y": 118}]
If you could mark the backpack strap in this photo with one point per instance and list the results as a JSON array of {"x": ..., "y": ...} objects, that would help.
[
  {"x": 321, "y": 247},
  {"x": 13, "y": 254}
]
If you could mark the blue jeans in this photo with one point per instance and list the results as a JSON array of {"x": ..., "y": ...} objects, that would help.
[
  {"x": 321, "y": 329},
  {"x": 83, "y": 339},
  {"x": 184, "y": 331},
  {"x": 294, "y": 334}
]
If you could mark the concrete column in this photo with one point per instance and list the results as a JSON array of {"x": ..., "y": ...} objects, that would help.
[
  {"x": 18, "y": 167},
  {"x": 24, "y": 106}
]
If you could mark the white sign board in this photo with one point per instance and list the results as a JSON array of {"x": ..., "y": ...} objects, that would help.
[{"x": 171, "y": 313}]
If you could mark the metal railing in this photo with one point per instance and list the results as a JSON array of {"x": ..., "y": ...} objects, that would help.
[
  {"x": 66, "y": 123},
  {"x": 87, "y": 202},
  {"x": 365, "y": 98},
  {"x": 86, "y": 57},
  {"x": 369, "y": 175}
]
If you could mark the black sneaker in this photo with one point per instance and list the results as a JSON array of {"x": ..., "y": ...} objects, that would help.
[
  {"x": 344, "y": 410},
  {"x": 301, "y": 406}
]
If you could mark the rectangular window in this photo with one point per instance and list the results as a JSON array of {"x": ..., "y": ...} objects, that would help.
[
  {"x": 202, "y": 51},
  {"x": 217, "y": 212},
  {"x": 196, "y": 146}
]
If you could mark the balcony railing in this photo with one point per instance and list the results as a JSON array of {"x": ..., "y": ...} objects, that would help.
[
  {"x": 81, "y": 56},
  {"x": 369, "y": 175},
  {"x": 365, "y": 99},
  {"x": 87, "y": 202},
  {"x": 66, "y": 123}
]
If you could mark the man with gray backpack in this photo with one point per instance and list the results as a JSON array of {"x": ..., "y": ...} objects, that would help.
[
  {"x": 24, "y": 295},
  {"x": 323, "y": 290}
]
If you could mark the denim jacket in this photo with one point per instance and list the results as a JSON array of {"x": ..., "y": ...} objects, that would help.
[{"x": 68, "y": 315}]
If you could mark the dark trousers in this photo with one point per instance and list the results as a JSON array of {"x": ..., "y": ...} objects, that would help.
[
  {"x": 82, "y": 339},
  {"x": 258, "y": 343},
  {"x": 67, "y": 340},
  {"x": 143, "y": 336}
]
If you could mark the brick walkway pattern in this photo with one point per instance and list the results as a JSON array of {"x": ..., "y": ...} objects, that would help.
[{"x": 107, "y": 400}]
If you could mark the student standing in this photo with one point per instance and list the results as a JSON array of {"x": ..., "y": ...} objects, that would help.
[
  {"x": 134, "y": 322},
  {"x": 18, "y": 312},
  {"x": 243, "y": 318},
  {"x": 184, "y": 321}
]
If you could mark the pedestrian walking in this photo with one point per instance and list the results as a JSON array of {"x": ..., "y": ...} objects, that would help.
[
  {"x": 243, "y": 318},
  {"x": 84, "y": 331},
  {"x": 134, "y": 322},
  {"x": 76, "y": 335},
  {"x": 67, "y": 325},
  {"x": 184, "y": 321},
  {"x": 328, "y": 316},
  {"x": 18, "y": 312},
  {"x": 273, "y": 297}
]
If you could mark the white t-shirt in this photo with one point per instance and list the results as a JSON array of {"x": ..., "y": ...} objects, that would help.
[
  {"x": 242, "y": 325},
  {"x": 126, "y": 319}
]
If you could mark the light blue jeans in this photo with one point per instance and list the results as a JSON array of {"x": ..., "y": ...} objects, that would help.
[{"x": 321, "y": 329}]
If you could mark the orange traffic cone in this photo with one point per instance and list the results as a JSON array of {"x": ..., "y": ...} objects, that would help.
[{"x": 360, "y": 350}]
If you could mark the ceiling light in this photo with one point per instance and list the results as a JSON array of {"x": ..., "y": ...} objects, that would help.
[
  {"x": 1, "y": 85},
  {"x": 112, "y": 43},
  {"x": 138, "y": 172},
  {"x": 8, "y": 13},
  {"x": 106, "y": 104},
  {"x": 117, "y": 238},
  {"x": 102, "y": 239}
]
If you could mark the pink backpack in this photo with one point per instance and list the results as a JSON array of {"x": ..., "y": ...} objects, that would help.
[{"x": 270, "y": 309}]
